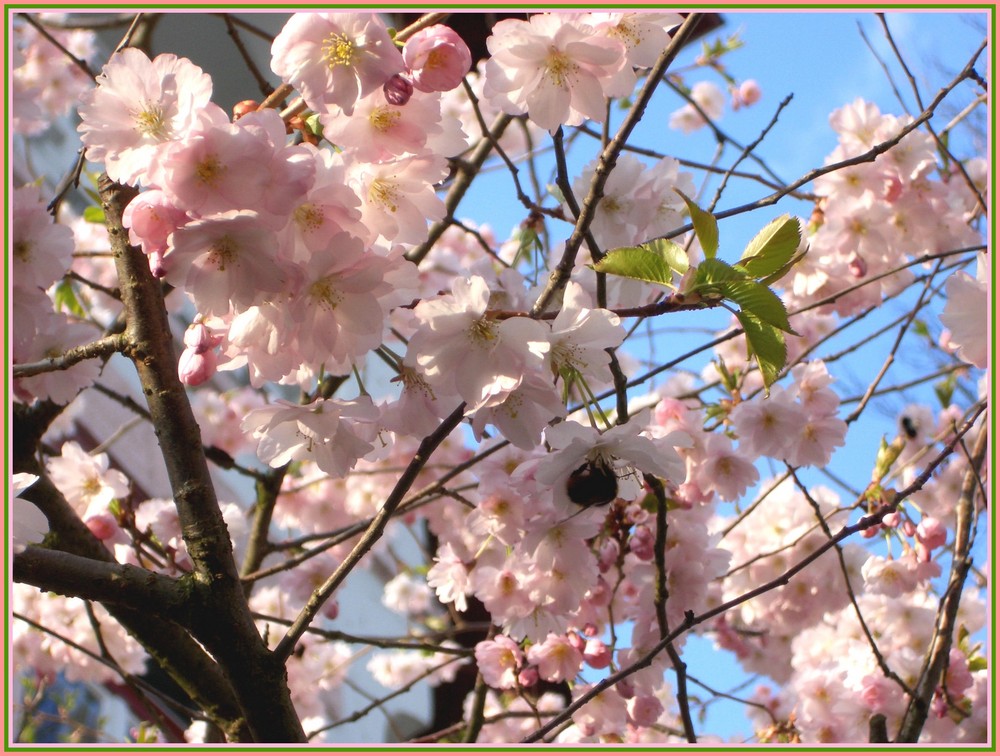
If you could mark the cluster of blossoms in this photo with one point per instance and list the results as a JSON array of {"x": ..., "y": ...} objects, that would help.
[
  {"x": 875, "y": 215},
  {"x": 298, "y": 257},
  {"x": 45, "y": 82}
]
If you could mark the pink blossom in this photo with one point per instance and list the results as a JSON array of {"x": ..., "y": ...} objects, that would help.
[
  {"x": 552, "y": 68},
  {"x": 406, "y": 595},
  {"x": 644, "y": 710},
  {"x": 462, "y": 352},
  {"x": 325, "y": 431},
  {"x": 814, "y": 441},
  {"x": 931, "y": 533},
  {"x": 709, "y": 98},
  {"x": 556, "y": 658},
  {"x": 150, "y": 219},
  {"x": 958, "y": 678},
  {"x": 30, "y": 525},
  {"x": 965, "y": 314},
  {"x": 766, "y": 426},
  {"x": 722, "y": 469},
  {"x": 139, "y": 105},
  {"x": 499, "y": 660},
  {"x": 617, "y": 449},
  {"x": 87, "y": 481},
  {"x": 437, "y": 59},
  {"x": 380, "y": 131},
  {"x": 343, "y": 301},
  {"x": 398, "y": 197},
  {"x": 225, "y": 262},
  {"x": 449, "y": 577},
  {"x": 57, "y": 334},
  {"x": 335, "y": 59},
  {"x": 41, "y": 249},
  {"x": 45, "y": 82}
]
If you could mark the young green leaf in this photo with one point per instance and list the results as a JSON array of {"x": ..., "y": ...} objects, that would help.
[
  {"x": 760, "y": 301},
  {"x": 654, "y": 262},
  {"x": 772, "y": 247},
  {"x": 93, "y": 214},
  {"x": 765, "y": 343},
  {"x": 705, "y": 227},
  {"x": 65, "y": 299}
]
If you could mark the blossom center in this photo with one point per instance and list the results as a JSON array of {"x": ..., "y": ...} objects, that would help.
[
  {"x": 339, "y": 50},
  {"x": 324, "y": 293},
  {"x": 151, "y": 122},
  {"x": 383, "y": 119},
  {"x": 22, "y": 250},
  {"x": 223, "y": 252},
  {"x": 559, "y": 67},
  {"x": 210, "y": 170},
  {"x": 482, "y": 331},
  {"x": 308, "y": 216},
  {"x": 91, "y": 487},
  {"x": 385, "y": 193}
]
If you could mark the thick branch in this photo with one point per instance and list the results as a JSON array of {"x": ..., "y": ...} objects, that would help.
[
  {"x": 98, "y": 580},
  {"x": 222, "y": 619}
]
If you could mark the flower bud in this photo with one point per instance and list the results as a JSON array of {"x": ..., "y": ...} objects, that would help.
[
  {"x": 437, "y": 58},
  {"x": 194, "y": 367},
  {"x": 398, "y": 90},
  {"x": 527, "y": 677}
]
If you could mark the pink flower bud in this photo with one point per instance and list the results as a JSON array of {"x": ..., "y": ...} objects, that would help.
[
  {"x": 331, "y": 610},
  {"x": 909, "y": 529},
  {"x": 156, "y": 266},
  {"x": 932, "y": 533},
  {"x": 103, "y": 526},
  {"x": 437, "y": 58},
  {"x": 194, "y": 367},
  {"x": 892, "y": 520},
  {"x": 398, "y": 90},
  {"x": 858, "y": 267},
  {"x": 597, "y": 654},
  {"x": 642, "y": 542},
  {"x": 528, "y": 677},
  {"x": 749, "y": 92},
  {"x": 200, "y": 339},
  {"x": 607, "y": 555},
  {"x": 576, "y": 641}
]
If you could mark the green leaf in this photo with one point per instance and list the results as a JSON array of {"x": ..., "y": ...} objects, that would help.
[
  {"x": 714, "y": 272},
  {"x": 314, "y": 125},
  {"x": 654, "y": 262},
  {"x": 93, "y": 214},
  {"x": 759, "y": 301},
  {"x": 65, "y": 299},
  {"x": 766, "y": 344},
  {"x": 772, "y": 248},
  {"x": 706, "y": 228},
  {"x": 944, "y": 390},
  {"x": 675, "y": 255}
]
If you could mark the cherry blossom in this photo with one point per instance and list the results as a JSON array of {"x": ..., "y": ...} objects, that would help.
[
  {"x": 965, "y": 314},
  {"x": 334, "y": 59},
  {"x": 139, "y": 105},
  {"x": 556, "y": 70}
]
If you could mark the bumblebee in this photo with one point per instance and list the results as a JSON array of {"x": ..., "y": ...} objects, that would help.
[{"x": 592, "y": 484}]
